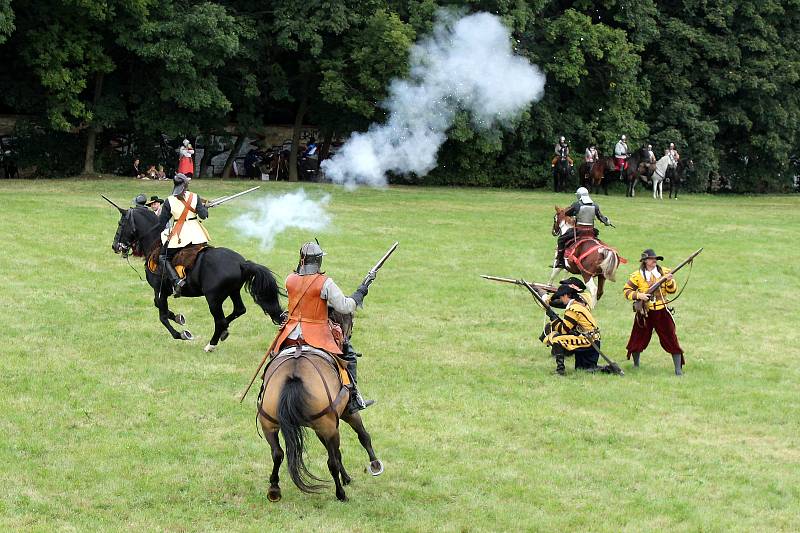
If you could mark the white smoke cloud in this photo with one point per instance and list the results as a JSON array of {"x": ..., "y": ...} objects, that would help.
[
  {"x": 465, "y": 64},
  {"x": 270, "y": 216}
]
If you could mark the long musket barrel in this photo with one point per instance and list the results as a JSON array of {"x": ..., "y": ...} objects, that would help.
[
  {"x": 554, "y": 316},
  {"x": 112, "y": 203},
  {"x": 680, "y": 265},
  {"x": 379, "y": 264},
  {"x": 540, "y": 286},
  {"x": 218, "y": 201}
]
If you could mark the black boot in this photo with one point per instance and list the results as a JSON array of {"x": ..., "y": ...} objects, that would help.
[
  {"x": 676, "y": 360},
  {"x": 357, "y": 402},
  {"x": 558, "y": 353},
  {"x": 177, "y": 281},
  {"x": 636, "y": 356}
]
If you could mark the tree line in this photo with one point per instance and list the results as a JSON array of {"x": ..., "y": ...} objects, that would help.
[{"x": 719, "y": 78}]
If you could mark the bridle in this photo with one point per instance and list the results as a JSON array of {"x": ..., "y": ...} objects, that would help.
[{"x": 124, "y": 247}]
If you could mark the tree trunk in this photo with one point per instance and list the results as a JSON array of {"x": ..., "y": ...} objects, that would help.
[
  {"x": 298, "y": 125},
  {"x": 226, "y": 171},
  {"x": 91, "y": 137},
  {"x": 327, "y": 139}
]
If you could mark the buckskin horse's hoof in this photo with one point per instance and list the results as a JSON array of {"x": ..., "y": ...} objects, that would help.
[
  {"x": 223, "y": 335},
  {"x": 274, "y": 494},
  {"x": 375, "y": 467},
  {"x": 187, "y": 335},
  {"x": 210, "y": 348}
]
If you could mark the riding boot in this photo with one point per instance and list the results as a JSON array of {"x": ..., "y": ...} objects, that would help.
[
  {"x": 558, "y": 353},
  {"x": 357, "y": 402},
  {"x": 676, "y": 359},
  {"x": 636, "y": 356},
  {"x": 177, "y": 282}
]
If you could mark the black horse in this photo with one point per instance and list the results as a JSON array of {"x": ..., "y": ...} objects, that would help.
[
  {"x": 678, "y": 175},
  {"x": 561, "y": 173},
  {"x": 218, "y": 274}
]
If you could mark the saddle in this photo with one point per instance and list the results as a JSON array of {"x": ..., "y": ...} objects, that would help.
[{"x": 183, "y": 261}]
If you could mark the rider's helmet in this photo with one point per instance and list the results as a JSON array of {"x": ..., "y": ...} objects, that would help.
[
  {"x": 650, "y": 147},
  {"x": 310, "y": 259},
  {"x": 562, "y": 139},
  {"x": 180, "y": 183},
  {"x": 671, "y": 146},
  {"x": 582, "y": 191},
  {"x": 623, "y": 138}
]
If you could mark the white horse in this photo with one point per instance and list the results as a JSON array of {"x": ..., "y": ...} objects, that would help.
[{"x": 660, "y": 174}]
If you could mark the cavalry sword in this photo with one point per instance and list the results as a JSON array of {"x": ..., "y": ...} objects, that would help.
[{"x": 221, "y": 200}]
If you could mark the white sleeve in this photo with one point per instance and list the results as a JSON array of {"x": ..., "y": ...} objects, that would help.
[{"x": 336, "y": 298}]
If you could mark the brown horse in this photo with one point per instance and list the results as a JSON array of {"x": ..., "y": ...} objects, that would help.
[
  {"x": 594, "y": 258},
  {"x": 594, "y": 176},
  {"x": 302, "y": 388}
]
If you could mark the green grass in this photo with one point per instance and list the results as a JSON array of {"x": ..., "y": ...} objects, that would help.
[{"x": 109, "y": 424}]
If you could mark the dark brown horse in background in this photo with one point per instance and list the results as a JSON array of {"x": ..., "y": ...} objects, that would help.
[
  {"x": 597, "y": 174},
  {"x": 302, "y": 388},
  {"x": 597, "y": 260},
  {"x": 676, "y": 176}
]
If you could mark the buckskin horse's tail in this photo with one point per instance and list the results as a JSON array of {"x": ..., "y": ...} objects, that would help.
[
  {"x": 263, "y": 287},
  {"x": 609, "y": 264},
  {"x": 291, "y": 418}
]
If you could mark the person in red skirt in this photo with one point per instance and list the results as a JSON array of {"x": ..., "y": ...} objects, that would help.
[
  {"x": 659, "y": 317},
  {"x": 186, "y": 159}
]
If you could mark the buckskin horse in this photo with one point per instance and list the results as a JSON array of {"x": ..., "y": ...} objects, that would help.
[
  {"x": 302, "y": 387},
  {"x": 594, "y": 176},
  {"x": 218, "y": 274},
  {"x": 587, "y": 256}
]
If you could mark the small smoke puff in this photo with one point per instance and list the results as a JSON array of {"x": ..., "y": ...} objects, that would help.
[
  {"x": 466, "y": 64},
  {"x": 270, "y": 216}
]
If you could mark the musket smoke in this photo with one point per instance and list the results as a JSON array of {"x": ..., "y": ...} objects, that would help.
[
  {"x": 465, "y": 64},
  {"x": 270, "y": 216}
]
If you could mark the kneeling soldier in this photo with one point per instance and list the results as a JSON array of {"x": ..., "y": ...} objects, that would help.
[{"x": 565, "y": 338}]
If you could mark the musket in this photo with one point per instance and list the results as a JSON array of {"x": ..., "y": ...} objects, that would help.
[
  {"x": 370, "y": 277},
  {"x": 221, "y": 200},
  {"x": 112, "y": 203},
  {"x": 552, "y": 315},
  {"x": 640, "y": 306},
  {"x": 544, "y": 287}
]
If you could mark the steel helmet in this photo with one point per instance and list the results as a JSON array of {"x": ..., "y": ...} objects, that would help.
[
  {"x": 310, "y": 259},
  {"x": 562, "y": 139},
  {"x": 623, "y": 138},
  {"x": 581, "y": 192}
]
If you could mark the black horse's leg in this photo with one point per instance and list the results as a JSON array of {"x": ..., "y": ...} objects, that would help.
[
  {"x": 164, "y": 313},
  {"x": 332, "y": 445},
  {"x": 238, "y": 307},
  {"x": 354, "y": 420},
  {"x": 274, "y": 493},
  {"x": 220, "y": 324}
]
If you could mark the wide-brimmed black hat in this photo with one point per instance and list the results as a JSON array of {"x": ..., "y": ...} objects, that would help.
[
  {"x": 154, "y": 199},
  {"x": 574, "y": 281},
  {"x": 564, "y": 290},
  {"x": 650, "y": 254}
]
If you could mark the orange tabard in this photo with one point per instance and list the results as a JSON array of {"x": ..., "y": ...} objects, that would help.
[{"x": 310, "y": 311}]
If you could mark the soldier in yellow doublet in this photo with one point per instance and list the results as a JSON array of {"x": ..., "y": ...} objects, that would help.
[
  {"x": 563, "y": 336},
  {"x": 185, "y": 210}
]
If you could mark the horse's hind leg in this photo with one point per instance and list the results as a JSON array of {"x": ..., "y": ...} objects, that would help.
[
  {"x": 331, "y": 442},
  {"x": 220, "y": 324},
  {"x": 346, "y": 479},
  {"x": 238, "y": 307},
  {"x": 375, "y": 466},
  {"x": 274, "y": 493}
]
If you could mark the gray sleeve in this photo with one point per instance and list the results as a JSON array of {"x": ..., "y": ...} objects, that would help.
[
  {"x": 600, "y": 216},
  {"x": 336, "y": 298}
]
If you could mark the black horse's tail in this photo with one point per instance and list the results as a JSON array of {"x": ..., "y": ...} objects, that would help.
[
  {"x": 291, "y": 406},
  {"x": 263, "y": 287}
]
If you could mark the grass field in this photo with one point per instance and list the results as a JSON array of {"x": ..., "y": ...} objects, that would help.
[{"x": 109, "y": 424}]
